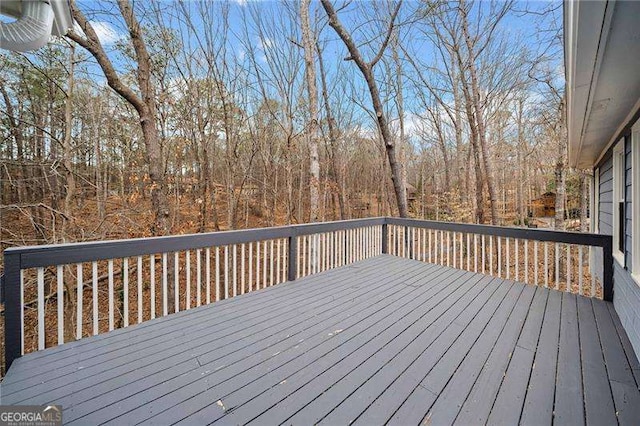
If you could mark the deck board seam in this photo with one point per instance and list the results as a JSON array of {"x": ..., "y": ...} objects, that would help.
[
  {"x": 435, "y": 338},
  {"x": 512, "y": 350},
  {"x": 627, "y": 356},
  {"x": 217, "y": 348},
  {"x": 509, "y": 316},
  {"x": 355, "y": 350},
  {"x": 535, "y": 352},
  {"x": 308, "y": 364},
  {"x": 491, "y": 288},
  {"x": 606, "y": 366},
  {"x": 429, "y": 272}
]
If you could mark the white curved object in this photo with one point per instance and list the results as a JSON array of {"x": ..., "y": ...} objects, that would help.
[{"x": 31, "y": 30}]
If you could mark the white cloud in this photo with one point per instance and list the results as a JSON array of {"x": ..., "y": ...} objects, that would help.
[
  {"x": 106, "y": 32},
  {"x": 412, "y": 124},
  {"x": 265, "y": 43}
]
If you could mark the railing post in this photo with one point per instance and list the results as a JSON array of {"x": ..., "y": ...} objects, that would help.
[
  {"x": 607, "y": 270},
  {"x": 292, "y": 257},
  {"x": 385, "y": 238},
  {"x": 12, "y": 308}
]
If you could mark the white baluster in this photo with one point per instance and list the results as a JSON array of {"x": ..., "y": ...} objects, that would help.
[
  {"x": 226, "y": 272},
  {"x": 242, "y": 270},
  {"x": 264, "y": 264},
  {"x": 152, "y": 268},
  {"x": 235, "y": 270},
  {"x": 535, "y": 263},
  {"x": 525, "y": 245},
  {"x": 94, "y": 282},
  {"x": 198, "y": 277},
  {"x": 79, "y": 300},
  {"x": 21, "y": 312},
  {"x": 41, "y": 328},
  {"x": 271, "y": 262},
  {"x": 165, "y": 286},
  {"x": 455, "y": 251},
  {"x": 207, "y": 273},
  {"x": 60, "y": 296},
  {"x": 250, "y": 266},
  {"x": 111, "y": 307},
  {"x": 278, "y": 259},
  {"x": 139, "y": 272},
  {"x": 475, "y": 253},
  {"x": 176, "y": 281},
  {"x": 517, "y": 259},
  {"x": 125, "y": 284},
  {"x": 301, "y": 272},
  {"x": 187, "y": 292}
]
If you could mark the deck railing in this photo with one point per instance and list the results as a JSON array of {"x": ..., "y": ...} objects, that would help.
[
  {"x": 59, "y": 293},
  {"x": 579, "y": 263}
]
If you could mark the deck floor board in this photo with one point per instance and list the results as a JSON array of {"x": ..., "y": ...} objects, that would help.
[
  {"x": 243, "y": 332},
  {"x": 386, "y": 339}
]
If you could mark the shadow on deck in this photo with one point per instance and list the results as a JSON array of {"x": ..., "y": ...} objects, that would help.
[{"x": 384, "y": 339}]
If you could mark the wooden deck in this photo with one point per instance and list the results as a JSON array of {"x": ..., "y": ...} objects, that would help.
[{"x": 383, "y": 340}]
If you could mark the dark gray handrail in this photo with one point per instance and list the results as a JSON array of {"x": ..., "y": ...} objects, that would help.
[
  {"x": 16, "y": 259},
  {"x": 567, "y": 237},
  {"x": 62, "y": 254}
]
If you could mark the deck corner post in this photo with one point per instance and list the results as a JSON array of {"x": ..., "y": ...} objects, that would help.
[
  {"x": 292, "y": 257},
  {"x": 12, "y": 317},
  {"x": 607, "y": 269},
  {"x": 385, "y": 238}
]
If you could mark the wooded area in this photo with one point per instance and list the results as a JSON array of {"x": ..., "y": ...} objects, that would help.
[{"x": 175, "y": 117}]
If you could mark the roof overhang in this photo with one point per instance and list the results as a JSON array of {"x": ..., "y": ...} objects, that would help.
[{"x": 602, "y": 68}]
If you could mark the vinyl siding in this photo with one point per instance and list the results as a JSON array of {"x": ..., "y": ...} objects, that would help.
[
  {"x": 606, "y": 195},
  {"x": 626, "y": 293},
  {"x": 626, "y": 300},
  {"x": 628, "y": 206}
]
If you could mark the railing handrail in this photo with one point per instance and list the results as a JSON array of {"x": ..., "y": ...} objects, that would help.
[
  {"x": 568, "y": 237},
  {"x": 69, "y": 253}
]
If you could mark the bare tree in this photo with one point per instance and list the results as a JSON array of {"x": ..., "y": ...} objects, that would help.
[
  {"x": 145, "y": 104},
  {"x": 332, "y": 139},
  {"x": 366, "y": 68},
  {"x": 560, "y": 172}
]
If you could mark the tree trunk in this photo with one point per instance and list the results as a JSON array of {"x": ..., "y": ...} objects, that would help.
[
  {"x": 479, "y": 118},
  {"x": 366, "y": 68},
  {"x": 584, "y": 201},
  {"x": 560, "y": 175},
  {"x": 334, "y": 171},
  {"x": 67, "y": 162},
  {"x": 308, "y": 44}
]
